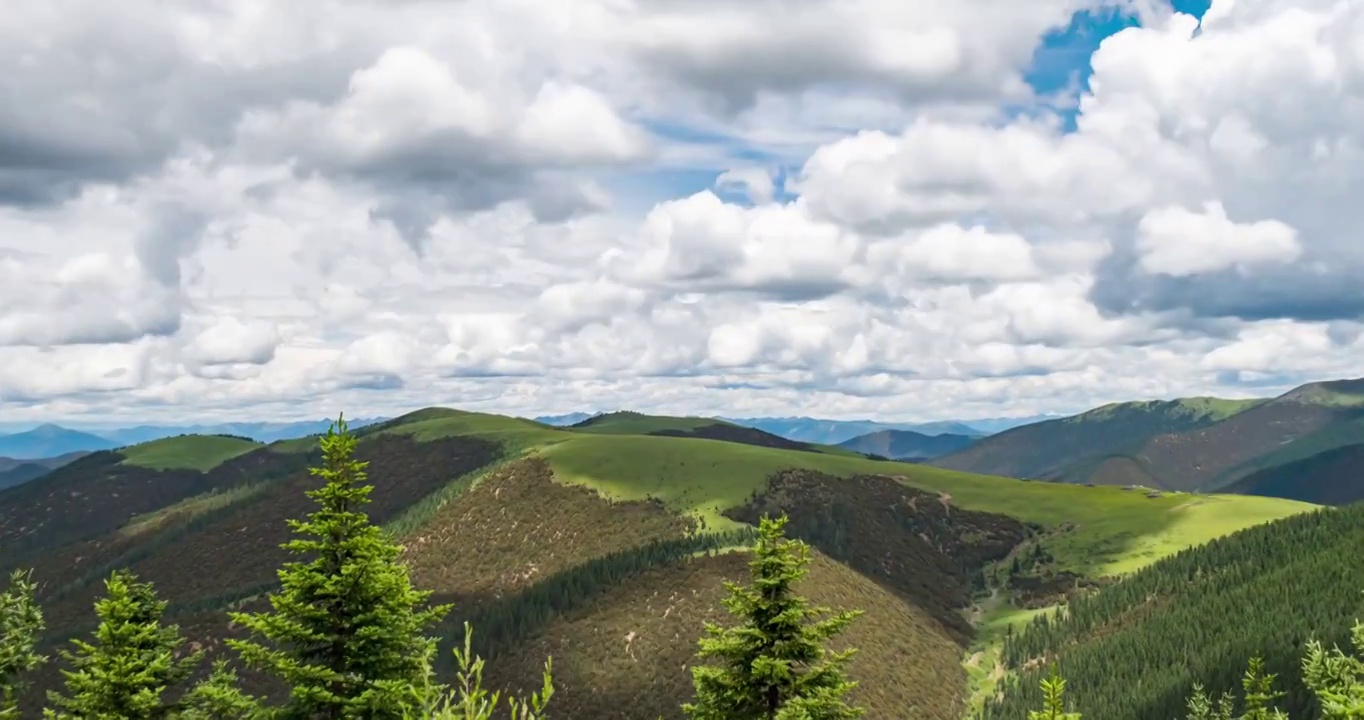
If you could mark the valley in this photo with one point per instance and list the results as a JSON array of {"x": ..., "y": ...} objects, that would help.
[{"x": 606, "y": 545}]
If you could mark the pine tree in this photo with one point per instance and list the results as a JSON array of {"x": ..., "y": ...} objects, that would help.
[
  {"x": 1053, "y": 700},
  {"x": 345, "y": 629},
  {"x": 773, "y": 665},
  {"x": 1259, "y": 693},
  {"x": 1335, "y": 678},
  {"x": 132, "y": 662},
  {"x": 1201, "y": 706},
  {"x": 21, "y": 622},
  {"x": 218, "y": 697}
]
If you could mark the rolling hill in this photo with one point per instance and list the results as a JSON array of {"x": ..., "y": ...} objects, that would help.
[
  {"x": 1068, "y": 449},
  {"x": 48, "y": 441},
  {"x": 1195, "y": 444},
  {"x": 906, "y": 444},
  {"x": 833, "y": 432},
  {"x": 607, "y": 544}
]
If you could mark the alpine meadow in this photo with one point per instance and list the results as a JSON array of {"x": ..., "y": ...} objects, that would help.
[{"x": 681, "y": 360}]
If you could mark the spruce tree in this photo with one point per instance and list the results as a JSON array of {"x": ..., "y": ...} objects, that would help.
[
  {"x": 1335, "y": 678},
  {"x": 133, "y": 661},
  {"x": 773, "y": 664},
  {"x": 1053, "y": 700},
  {"x": 218, "y": 697},
  {"x": 345, "y": 629},
  {"x": 21, "y": 622}
]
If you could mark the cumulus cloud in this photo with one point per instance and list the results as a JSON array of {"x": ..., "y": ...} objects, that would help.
[
  {"x": 371, "y": 206},
  {"x": 1174, "y": 241}
]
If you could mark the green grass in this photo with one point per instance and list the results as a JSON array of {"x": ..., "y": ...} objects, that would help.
[
  {"x": 1115, "y": 530},
  {"x": 187, "y": 452},
  {"x": 1209, "y": 408},
  {"x": 982, "y": 660},
  {"x": 629, "y": 423}
]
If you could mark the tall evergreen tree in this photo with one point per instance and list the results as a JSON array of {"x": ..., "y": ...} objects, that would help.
[
  {"x": 21, "y": 622},
  {"x": 133, "y": 661},
  {"x": 773, "y": 664},
  {"x": 346, "y": 628}
]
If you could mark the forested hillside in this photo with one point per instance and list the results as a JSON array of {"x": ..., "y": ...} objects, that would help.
[
  {"x": 606, "y": 546},
  {"x": 1135, "y": 649}
]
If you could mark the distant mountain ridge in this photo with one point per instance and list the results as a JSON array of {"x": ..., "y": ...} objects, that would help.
[
  {"x": 833, "y": 432},
  {"x": 50, "y": 440},
  {"x": 46, "y": 441},
  {"x": 14, "y": 471},
  {"x": 1268, "y": 445},
  {"x": 907, "y": 444}
]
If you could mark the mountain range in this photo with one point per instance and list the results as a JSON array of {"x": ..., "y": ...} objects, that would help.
[
  {"x": 817, "y": 430},
  {"x": 907, "y": 444},
  {"x": 51, "y": 440},
  {"x": 607, "y": 544},
  {"x": 1191, "y": 444}
]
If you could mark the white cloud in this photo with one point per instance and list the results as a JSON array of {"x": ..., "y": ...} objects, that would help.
[
  {"x": 351, "y": 204},
  {"x": 1175, "y": 241}
]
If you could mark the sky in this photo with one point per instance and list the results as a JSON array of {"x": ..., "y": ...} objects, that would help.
[{"x": 889, "y": 209}]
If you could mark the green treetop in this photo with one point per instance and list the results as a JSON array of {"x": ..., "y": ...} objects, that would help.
[
  {"x": 132, "y": 662},
  {"x": 773, "y": 665},
  {"x": 21, "y": 622},
  {"x": 346, "y": 628}
]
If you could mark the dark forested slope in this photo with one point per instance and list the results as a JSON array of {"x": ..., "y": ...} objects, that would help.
[{"x": 1135, "y": 649}]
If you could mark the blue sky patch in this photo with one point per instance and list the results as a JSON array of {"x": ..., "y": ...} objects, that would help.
[{"x": 1061, "y": 61}]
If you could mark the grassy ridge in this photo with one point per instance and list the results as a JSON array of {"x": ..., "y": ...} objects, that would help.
[
  {"x": 1209, "y": 409},
  {"x": 631, "y": 423},
  {"x": 1110, "y": 530},
  {"x": 187, "y": 452}
]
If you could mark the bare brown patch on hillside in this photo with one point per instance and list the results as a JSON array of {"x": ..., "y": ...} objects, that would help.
[
  {"x": 628, "y": 656},
  {"x": 915, "y": 543},
  {"x": 241, "y": 548},
  {"x": 83, "y": 506},
  {"x": 517, "y": 526}
]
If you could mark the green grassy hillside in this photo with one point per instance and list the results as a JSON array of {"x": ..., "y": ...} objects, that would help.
[
  {"x": 1107, "y": 529},
  {"x": 187, "y": 452},
  {"x": 633, "y": 423},
  {"x": 538, "y": 533}
]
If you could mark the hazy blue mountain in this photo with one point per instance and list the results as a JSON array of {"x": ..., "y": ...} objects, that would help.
[
  {"x": 47, "y": 441},
  {"x": 259, "y": 431},
  {"x": 14, "y": 471},
  {"x": 907, "y": 444},
  {"x": 833, "y": 432},
  {"x": 564, "y": 420}
]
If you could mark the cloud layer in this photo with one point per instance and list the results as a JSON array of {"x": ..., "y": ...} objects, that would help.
[{"x": 298, "y": 208}]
